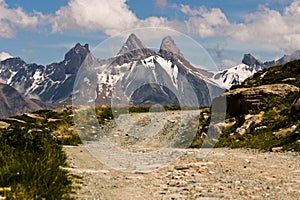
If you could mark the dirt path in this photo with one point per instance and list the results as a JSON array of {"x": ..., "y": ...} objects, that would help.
[
  {"x": 180, "y": 174},
  {"x": 222, "y": 174}
]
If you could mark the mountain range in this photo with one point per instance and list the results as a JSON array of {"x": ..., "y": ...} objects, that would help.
[
  {"x": 135, "y": 76},
  {"x": 140, "y": 76},
  {"x": 249, "y": 66}
]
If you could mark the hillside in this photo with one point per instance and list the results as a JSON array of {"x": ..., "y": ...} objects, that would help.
[
  {"x": 262, "y": 112},
  {"x": 12, "y": 102}
]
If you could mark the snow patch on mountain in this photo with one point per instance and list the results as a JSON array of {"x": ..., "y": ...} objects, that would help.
[
  {"x": 4, "y": 56},
  {"x": 235, "y": 75}
]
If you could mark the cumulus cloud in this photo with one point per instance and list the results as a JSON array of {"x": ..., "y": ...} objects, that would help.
[
  {"x": 205, "y": 22},
  {"x": 270, "y": 27},
  {"x": 106, "y": 15},
  {"x": 12, "y": 19},
  {"x": 110, "y": 17},
  {"x": 264, "y": 27}
]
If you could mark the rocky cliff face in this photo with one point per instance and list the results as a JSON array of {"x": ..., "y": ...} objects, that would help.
[{"x": 246, "y": 100}]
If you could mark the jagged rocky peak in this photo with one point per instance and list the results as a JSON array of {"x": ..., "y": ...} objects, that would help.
[
  {"x": 169, "y": 45},
  {"x": 75, "y": 57},
  {"x": 78, "y": 49},
  {"x": 133, "y": 49},
  {"x": 251, "y": 60},
  {"x": 131, "y": 44}
]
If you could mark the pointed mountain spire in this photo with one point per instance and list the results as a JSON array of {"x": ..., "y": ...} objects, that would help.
[
  {"x": 251, "y": 60},
  {"x": 132, "y": 43},
  {"x": 169, "y": 45},
  {"x": 78, "y": 49}
]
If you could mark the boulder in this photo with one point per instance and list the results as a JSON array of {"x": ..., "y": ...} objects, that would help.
[{"x": 242, "y": 101}]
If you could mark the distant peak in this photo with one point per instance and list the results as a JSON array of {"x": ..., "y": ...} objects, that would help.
[
  {"x": 77, "y": 50},
  {"x": 4, "y": 56},
  {"x": 250, "y": 60},
  {"x": 131, "y": 44},
  {"x": 169, "y": 45},
  {"x": 78, "y": 46}
]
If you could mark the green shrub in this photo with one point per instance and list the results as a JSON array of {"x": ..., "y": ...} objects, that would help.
[{"x": 31, "y": 164}]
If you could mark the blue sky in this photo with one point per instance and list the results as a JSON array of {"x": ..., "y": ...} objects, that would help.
[{"x": 43, "y": 31}]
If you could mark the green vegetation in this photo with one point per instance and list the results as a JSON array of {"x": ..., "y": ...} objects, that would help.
[
  {"x": 30, "y": 163},
  {"x": 32, "y": 159},
  {"x": 276, "y": 128},
  {"x": 31, "y": 155},
  {"x": 272, "y": 125}
]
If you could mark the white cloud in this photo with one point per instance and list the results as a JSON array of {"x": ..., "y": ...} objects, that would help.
[
  {"x": 271, "y": 27},
  {"x": 12, "y": 19},
  {"x": 265, "y": 27},
  {"x": 110, "y": 17},
  {"x": 205, "y": 22},
  {"x": 106, "y": 15}
]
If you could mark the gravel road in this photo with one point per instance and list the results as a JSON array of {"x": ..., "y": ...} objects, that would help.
[{"x": 220, "y": 174}]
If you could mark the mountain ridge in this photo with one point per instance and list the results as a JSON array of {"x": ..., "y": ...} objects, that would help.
[
  {"x": 250, "y": 65},
  {"x": 12, "y": 102},
  {"x": 166, "y": 68}
]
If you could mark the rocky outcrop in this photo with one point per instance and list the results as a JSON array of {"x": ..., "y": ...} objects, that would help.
[{"x": 244, "y": 100}]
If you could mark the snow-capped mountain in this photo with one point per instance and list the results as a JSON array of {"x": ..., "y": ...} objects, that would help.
[
  {"x": 140, "y": 76},
  {"x": 234, "y": 75},
  {"x": 136, "y": 75},
  {"x": 250, "y": 65},
  {"x": 4, "y": 56},
  {"x": 51, "y": 83}
]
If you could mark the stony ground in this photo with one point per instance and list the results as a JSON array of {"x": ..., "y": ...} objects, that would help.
[
  {"x": 196, "y": 174},
  {"x": 222, "y": 174}
]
